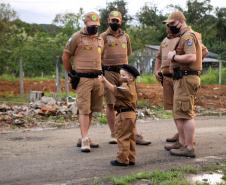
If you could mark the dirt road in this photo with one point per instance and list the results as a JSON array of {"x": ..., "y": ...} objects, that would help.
[{"x": 50, "y": 156}]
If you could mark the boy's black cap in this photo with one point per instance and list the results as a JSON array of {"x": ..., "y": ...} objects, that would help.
[{"x": 132, "y": 70}]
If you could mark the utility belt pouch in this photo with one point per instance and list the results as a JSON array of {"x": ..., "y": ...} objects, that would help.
[
  {"x": 74, "y": 79},
  {"x": 177, "y": 74}
]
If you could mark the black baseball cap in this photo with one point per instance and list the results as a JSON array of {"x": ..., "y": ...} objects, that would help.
[{"x": 132, "y": 70}]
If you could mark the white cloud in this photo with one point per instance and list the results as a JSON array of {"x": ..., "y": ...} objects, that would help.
[{"x": 44, "y": 11}]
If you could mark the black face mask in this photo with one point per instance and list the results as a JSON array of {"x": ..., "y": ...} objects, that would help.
[
  {"x": 174, "y": 29},
  {"x": 115, "y": 26},
  {"x": 92, "y": 30}
]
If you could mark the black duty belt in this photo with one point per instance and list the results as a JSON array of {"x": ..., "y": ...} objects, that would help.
[
  {"x": 178, "y": 74},
  {"x": 90, "y": 75},
  {"x": 124, "y": 110},
  {"x": 185, "y": 73},
  {"x": 115, "y": 68},
  {"x": 169, "y": 75}
]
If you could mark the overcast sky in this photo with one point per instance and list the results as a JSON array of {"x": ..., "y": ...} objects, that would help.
[{"x": 44, "y": 11}]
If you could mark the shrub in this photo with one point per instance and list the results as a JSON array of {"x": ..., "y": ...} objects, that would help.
[
  {"x": 147, "y": 79},
  {"x": 212, "y": 76}
]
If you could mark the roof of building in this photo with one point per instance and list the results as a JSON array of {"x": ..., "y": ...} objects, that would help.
[{"x": 211, "y": 57}]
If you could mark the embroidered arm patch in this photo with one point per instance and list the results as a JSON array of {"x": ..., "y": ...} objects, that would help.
[{"x": 189, "y": 42}]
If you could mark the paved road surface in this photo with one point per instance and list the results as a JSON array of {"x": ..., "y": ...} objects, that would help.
[{"x": 50, "y": 156}]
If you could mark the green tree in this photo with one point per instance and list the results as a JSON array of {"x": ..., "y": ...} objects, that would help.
[
  {"x": 198, "y": 14},
  {"x": 70, "y": 22},
  {"x": 7, "y": 13},
  {"x": 149, "y": 15},
  {"x": 221, "y": 23}
]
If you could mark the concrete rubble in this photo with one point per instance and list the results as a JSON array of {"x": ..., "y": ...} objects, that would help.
[
  {"x": 28, "y": 115},
  {"x": 22, "y": 115}
]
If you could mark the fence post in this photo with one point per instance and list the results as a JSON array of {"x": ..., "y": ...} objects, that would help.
[
  {"x": 21, "y": 78},
  {"x": 220, "y": 71},
  {"x": 66, "y": 83},
  {"x": 58, "y": 84}
]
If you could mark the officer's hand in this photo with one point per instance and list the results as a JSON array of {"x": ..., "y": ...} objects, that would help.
[
  {"x": 171, "y": 54},
  {"x": 101, "y": 78},
  {"x": 157, "y": 76}
]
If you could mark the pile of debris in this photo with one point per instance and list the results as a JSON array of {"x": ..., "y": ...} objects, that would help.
[
  {"x": 26, "y": 115},
  {"x": 50, "y": 106}
]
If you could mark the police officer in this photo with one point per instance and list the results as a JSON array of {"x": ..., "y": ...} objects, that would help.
[
  {"x": 117, "y": 49},
  {"x": 163, "y": 73},
  {"x": 186, "y": 60},
  {"x": 85, "y": 48}
]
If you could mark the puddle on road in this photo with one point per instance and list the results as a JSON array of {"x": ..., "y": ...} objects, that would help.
[{"x": 210, "y": 178}]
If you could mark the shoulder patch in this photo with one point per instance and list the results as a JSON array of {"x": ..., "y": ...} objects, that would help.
[{"x": 189, "y": 42}]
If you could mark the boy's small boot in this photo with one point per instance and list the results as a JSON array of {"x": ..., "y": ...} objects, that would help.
[
  {"x": 113, "y": 140},
  {"x": 117, "y": 163}
]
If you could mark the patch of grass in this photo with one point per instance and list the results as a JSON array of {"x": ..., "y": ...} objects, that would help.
[
  {"x": 187, "y": 169},
  {"x": 125, "y": 180},
  {"x": 147, "y": 79},
  {"x": 143, "y": 104},
  {"x": 41, "y": 78},
  {"x": 155, "y": 177},
  {"x": 102, "y": 119},
  {"x": 224, "y": 171},
  {"x": 61, "y": 95},
  {"x": 174, "y": 176},
  {"x": 14, "y": 100},
  {"x": 158, "y": 111},
  {"x": 8, "y": 77},
  {"x": 212, "y": 76},
  {"x": 223, "y": 77},
  {"x": 167, "y": 177},
  {"x": 161, "y": 113}
]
